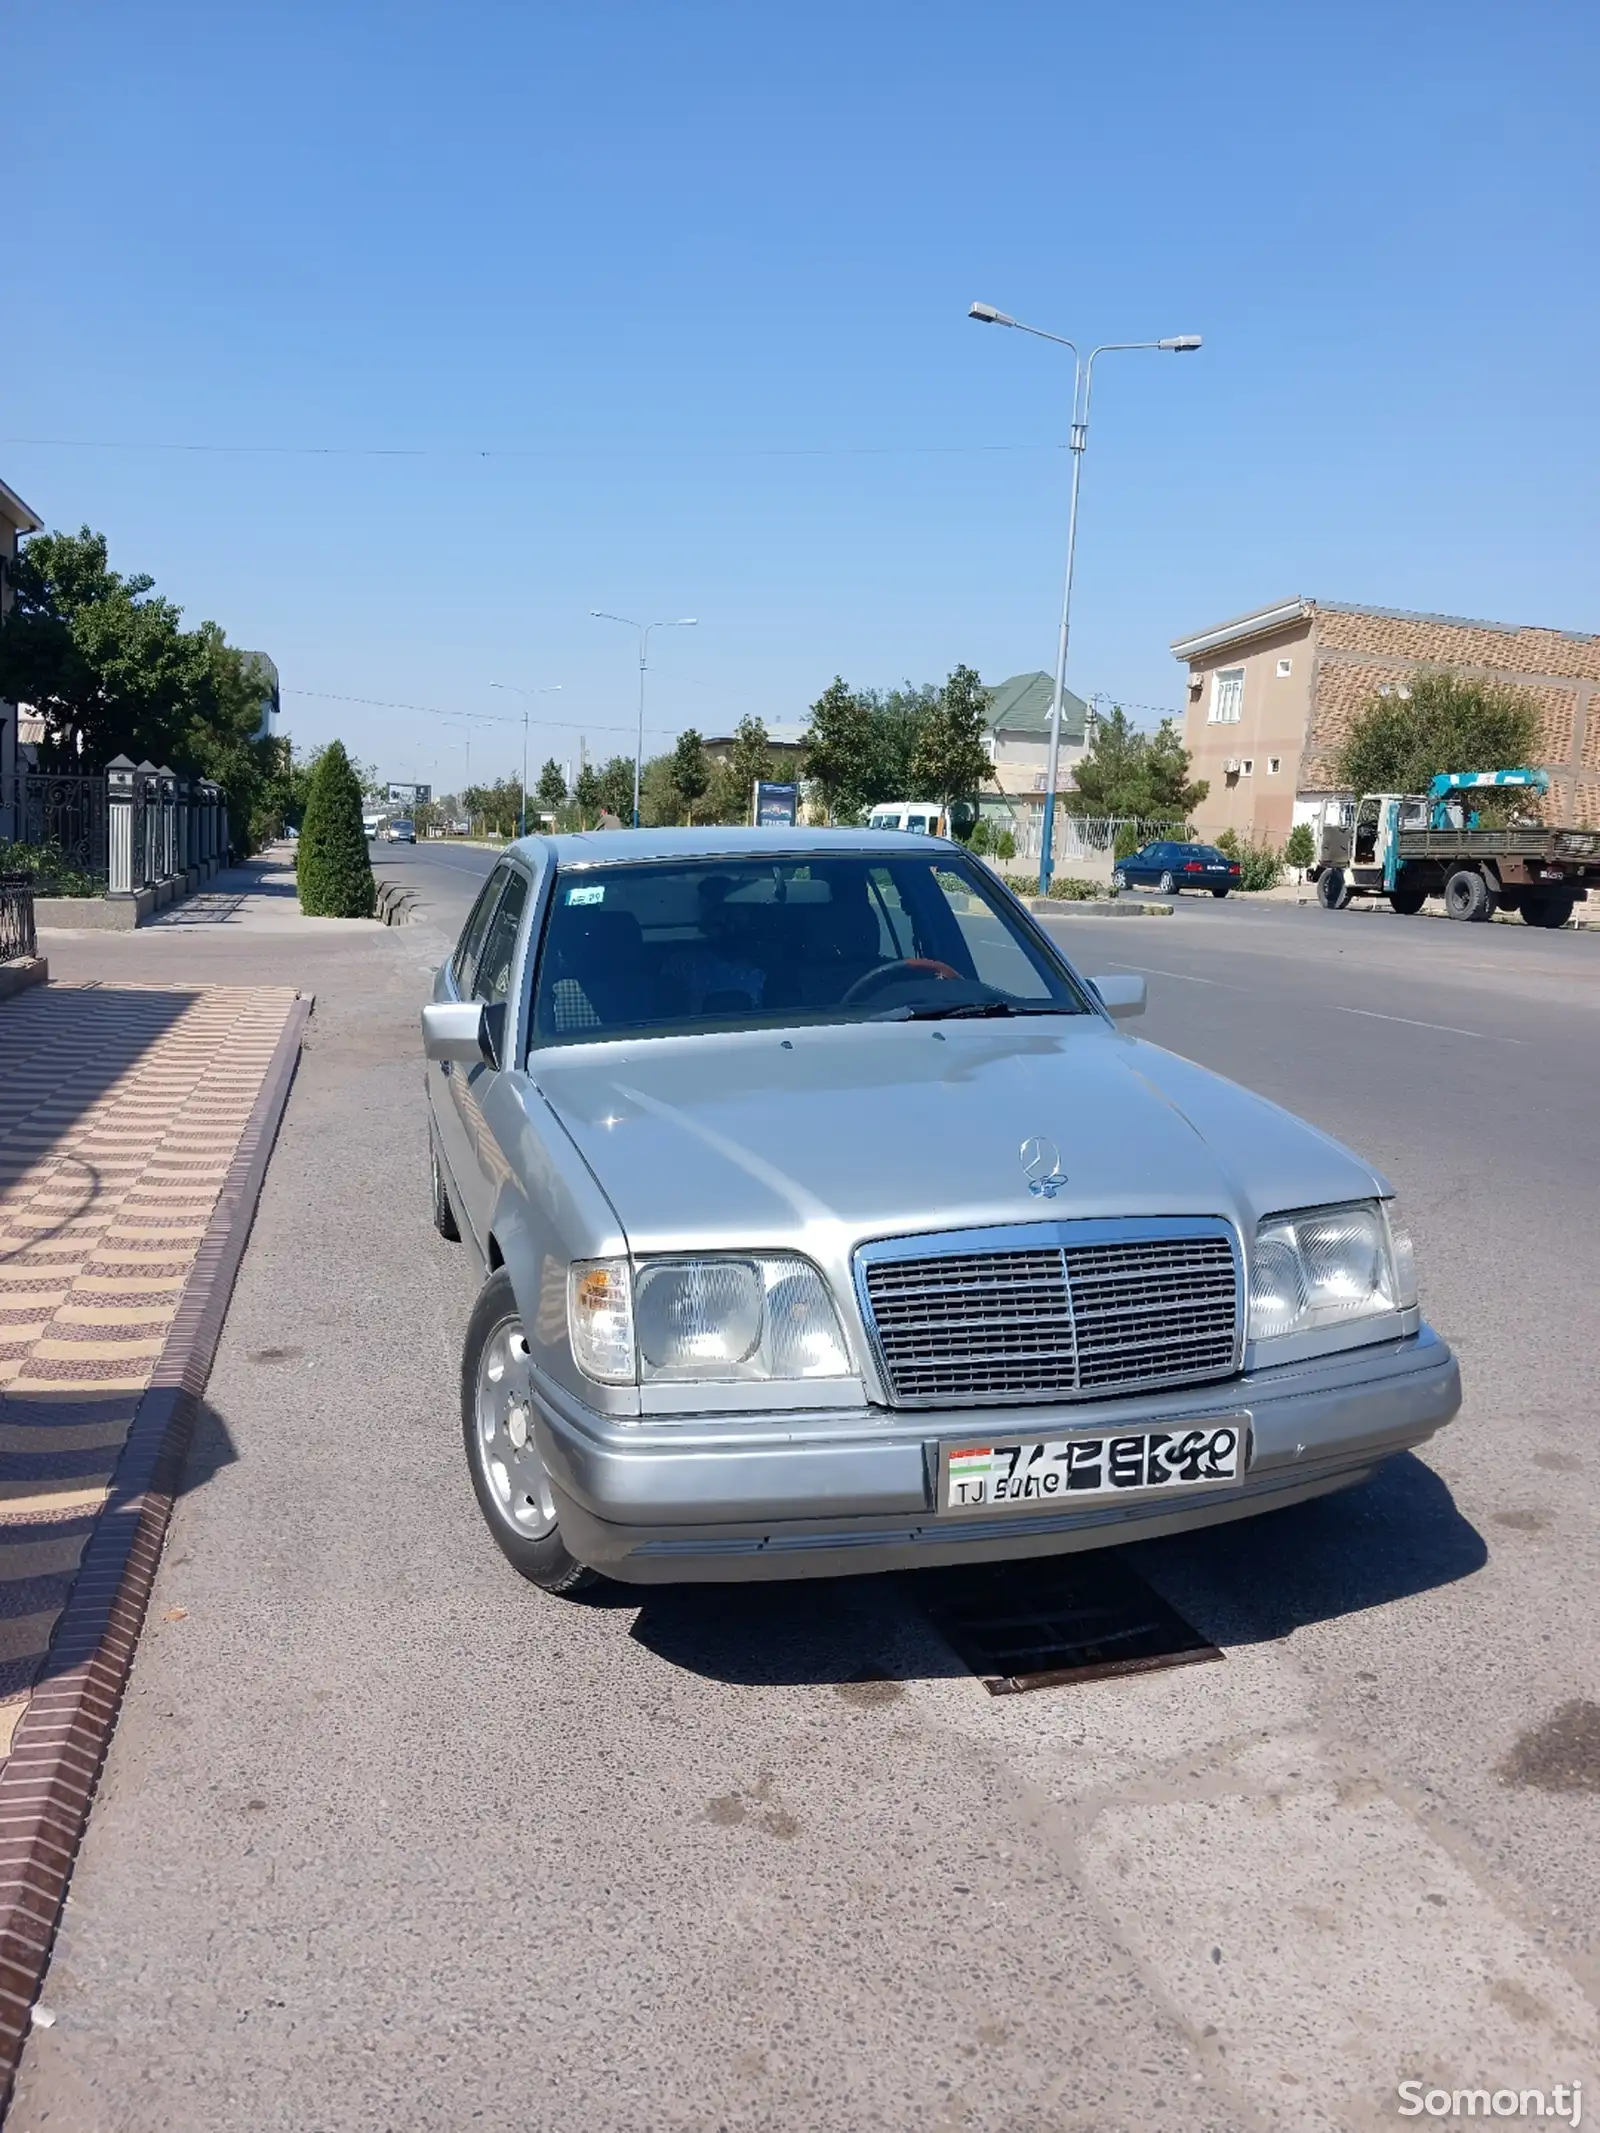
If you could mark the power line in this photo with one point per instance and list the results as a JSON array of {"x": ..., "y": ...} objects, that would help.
[
  {"x": 383, "y": 703},
  {"x": 577, "y": 452}
]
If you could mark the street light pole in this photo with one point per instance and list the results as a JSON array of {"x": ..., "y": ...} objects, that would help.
[
  {"x": 684, "y": 622},
  {"x": 1082, "y": 387},
  {"x": 512, "y": 689}
]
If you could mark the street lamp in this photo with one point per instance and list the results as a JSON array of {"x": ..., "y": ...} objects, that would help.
[
  {"x": 684, "y": 622},
  {"x": 553, "y": 690},
  {"x": 1082, "y": 386}
]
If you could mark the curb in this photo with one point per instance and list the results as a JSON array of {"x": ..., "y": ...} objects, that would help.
[
  {"x": 1096, "y": 907},
  {"x": 24, "y": 971},
  {"x": 393, "y": 903},
  {"x": 47, "y": 1786}
]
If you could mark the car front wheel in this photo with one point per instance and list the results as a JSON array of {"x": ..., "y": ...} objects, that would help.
[{"x": 497, "y": 1420}]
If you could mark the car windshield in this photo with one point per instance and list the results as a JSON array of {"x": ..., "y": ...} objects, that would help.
[{"x": 669, "y": 948}]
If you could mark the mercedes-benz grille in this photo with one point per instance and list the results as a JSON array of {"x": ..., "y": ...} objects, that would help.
[{"x": 1060, "y": 1321}]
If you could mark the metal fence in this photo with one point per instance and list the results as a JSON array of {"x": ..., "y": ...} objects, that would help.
[
  {"x": 131, "y": 827},
  {"x": 59, "y": 819},
  {"x": 16, "y": 919},
  {"x": 1089, "y": 842}
]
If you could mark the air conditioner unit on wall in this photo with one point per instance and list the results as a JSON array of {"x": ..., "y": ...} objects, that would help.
[{"x": 1232, "y": 767}]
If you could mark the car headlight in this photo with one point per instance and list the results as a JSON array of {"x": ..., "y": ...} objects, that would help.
[
  {"x": 1328, "y": 1266},
  {"x": 723, "y": 1319}
]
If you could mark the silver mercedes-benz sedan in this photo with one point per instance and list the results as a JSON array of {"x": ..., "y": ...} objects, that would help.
[{"x": 829, "y": 1222}]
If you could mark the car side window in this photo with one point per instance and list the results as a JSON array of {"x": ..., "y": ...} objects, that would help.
[
  {"x": 464, "y": 963},
  {"x": 492, "y": 978}
]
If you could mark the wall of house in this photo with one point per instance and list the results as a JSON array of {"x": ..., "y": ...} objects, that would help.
[
  {"x": 1022, "y": 761},
  {"x": 1255, "y": 802},
  {"x": 1356, "y": 655}
]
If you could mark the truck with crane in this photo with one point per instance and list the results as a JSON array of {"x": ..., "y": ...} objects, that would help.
[{"x": 1410, "y": 846}]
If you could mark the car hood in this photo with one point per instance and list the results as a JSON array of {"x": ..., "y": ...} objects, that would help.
[{"x": 832, "y": 1135}]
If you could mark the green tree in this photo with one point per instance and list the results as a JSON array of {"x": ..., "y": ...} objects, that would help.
[
  {"x": 1301, "y": 849},
  {"x": 1447, "y": 722},
  {"x": 497, "y": 808},
  {"x": 332, "y": 868},
  {"x": 898, "y": 719},
  {"x": 551, "y": 792},
  {"x": 951, "y": 761},
  {"x": 691, "y": 773},
  {"x": 587, "y": 795},
  {"x": 1133, "y": 775},
  {"x": 104, "y": 661},
  {"x": 614, "y": 784},
  {"x": 838, "y": 755},
  {"x": 748, "y": 763},
  {"x": 660, "y": 802}
]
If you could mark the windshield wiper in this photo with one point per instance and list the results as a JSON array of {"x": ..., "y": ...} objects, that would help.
[{"x": 971, "y": 1010}]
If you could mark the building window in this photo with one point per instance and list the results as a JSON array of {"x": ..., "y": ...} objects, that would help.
[
  {"x": 1274, "y": 765},
  {"x": 1249, "y": 766},
  {"x": 1227, "y": 696},
  {"x": 1285, "y": 669}
]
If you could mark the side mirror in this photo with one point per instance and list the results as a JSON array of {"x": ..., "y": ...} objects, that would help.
[
  {"x": 1121, "y": 996},
  {"x": 458, "y": 1032}
]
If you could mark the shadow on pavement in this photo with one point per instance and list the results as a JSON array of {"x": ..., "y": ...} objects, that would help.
[
  {"x": 64, "y": 1048},
  {"x": 1248, "y": 1583},
  {"x": 1263, "y": 1578}
]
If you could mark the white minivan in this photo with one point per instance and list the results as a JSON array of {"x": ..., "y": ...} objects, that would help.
[{"x": 924, "y": 816}]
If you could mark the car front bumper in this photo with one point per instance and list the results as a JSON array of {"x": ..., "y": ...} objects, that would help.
[{"x": 830, "y": 1493}]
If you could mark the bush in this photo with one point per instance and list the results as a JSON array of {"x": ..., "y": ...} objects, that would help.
[
  {"x": 980, "y": 839},
  {"x": 331, "y": 865},
  {"x": 1129, "y": 840},
  {"x": 1005, "y": 846},
  {"x": 49, "y": 874},
  {"x": 1228, "y": 843},
  {"x": 1301, "y": 850},
  {"x": 1260, "y": 866}
]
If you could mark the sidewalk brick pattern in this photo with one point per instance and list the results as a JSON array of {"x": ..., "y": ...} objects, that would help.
[{"x": 120, "y": 1112}]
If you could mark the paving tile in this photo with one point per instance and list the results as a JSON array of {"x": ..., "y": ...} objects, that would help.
[{"x": 122, "y": 1110}]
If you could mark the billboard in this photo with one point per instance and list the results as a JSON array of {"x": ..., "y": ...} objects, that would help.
[{"x": 775, "y": 806}]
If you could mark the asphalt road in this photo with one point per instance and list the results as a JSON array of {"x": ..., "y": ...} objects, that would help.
[{"x": 387, "y": 1840}]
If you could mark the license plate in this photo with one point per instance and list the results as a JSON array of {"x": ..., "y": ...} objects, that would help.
[{"x": 1027, "y": 1473}]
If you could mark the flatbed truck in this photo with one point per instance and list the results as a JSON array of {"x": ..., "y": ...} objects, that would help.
[{"x": 1410, "y": 846}]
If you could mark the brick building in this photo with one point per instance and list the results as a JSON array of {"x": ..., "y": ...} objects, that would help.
[{"x": 1272, "y": 693}]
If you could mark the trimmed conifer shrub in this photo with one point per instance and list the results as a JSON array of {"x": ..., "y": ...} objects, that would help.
[{"x": 332, "y": 869}]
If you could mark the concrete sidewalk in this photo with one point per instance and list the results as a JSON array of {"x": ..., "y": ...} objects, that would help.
[{"x": 257, "y": 897}]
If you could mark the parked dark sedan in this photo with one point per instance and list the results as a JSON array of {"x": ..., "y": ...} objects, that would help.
[{"x": 1171, "y": 868}]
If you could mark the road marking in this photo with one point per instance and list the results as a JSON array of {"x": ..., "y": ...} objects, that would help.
[
  {"x": 1371, "y": 1014},
  {"x": 1449, "y": 1028},
  {"x": 1149, "y": 970}
]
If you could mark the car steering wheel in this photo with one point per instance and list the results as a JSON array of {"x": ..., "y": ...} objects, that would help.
[{"x": 886, "y": 973}]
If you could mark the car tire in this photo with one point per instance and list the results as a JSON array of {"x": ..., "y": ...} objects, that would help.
[
  {"x": 1467, "y": 897},
  {"x": 1407, "y": 902},
  {"x": 1119, "y": 881},
  {"x": 444, "y": 1215},
  {"x": 1167, "y": 885},
  {"x": 1333, "y": 891},
  {"x": 508, "y": 1476},
  {"x": 1549, "y": 911},
  {"x": 1222, "y": 892}
]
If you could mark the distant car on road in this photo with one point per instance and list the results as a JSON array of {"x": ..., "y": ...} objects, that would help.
[
  {"x": 828, "y": 1223},
  {"x": 1172, "y": 868},
  {"x": 402, "y": 830}
]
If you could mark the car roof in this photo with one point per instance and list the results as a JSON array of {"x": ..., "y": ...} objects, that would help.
[{"x": 610, "y": 847}]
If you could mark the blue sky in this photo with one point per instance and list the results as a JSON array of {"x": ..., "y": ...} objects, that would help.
[{"x": 695, "y": 276}]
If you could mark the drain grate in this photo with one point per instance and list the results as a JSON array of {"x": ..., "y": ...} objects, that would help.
[{"x": 1053, "y": 1619}]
